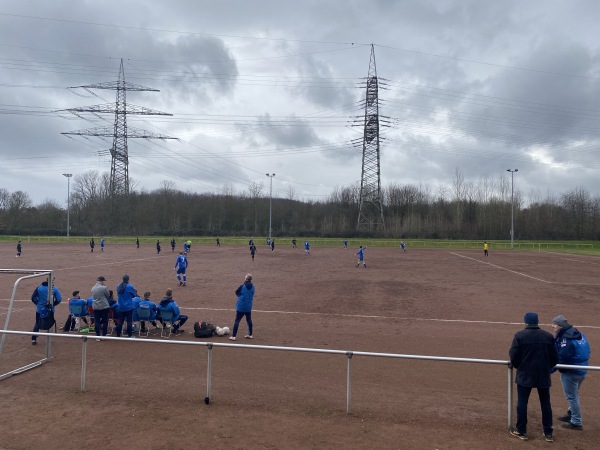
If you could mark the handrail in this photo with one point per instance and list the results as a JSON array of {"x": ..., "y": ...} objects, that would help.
[{"x": 348, "y": 353}]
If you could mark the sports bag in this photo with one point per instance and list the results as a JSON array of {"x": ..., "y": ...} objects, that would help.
[{"x": 204, "y": 329}]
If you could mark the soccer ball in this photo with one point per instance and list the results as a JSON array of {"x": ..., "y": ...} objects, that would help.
[
  {"x": 219, "y": 331},
  {"x": 225, "y": 330}
]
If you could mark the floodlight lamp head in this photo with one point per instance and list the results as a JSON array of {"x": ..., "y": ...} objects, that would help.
[{"x": 68, "y": 175}]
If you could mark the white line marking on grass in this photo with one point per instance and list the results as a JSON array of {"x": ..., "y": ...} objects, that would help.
[
  {"x": 112, "y": 263},
  {"x": 503, "y": 268},
  {"x": 563, "y": 283},
  {"x": 366, "y": 316}
]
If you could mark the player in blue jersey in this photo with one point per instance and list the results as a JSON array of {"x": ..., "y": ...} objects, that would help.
[
  {"x": 361, "y": 256},
  {"x": 307, "y": 248},
  {"x": 102, "y": 244},
  {"x": 181, "y": 266}
]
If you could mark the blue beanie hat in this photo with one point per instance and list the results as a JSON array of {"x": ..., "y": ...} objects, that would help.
[{"x": 531, "y": 318}]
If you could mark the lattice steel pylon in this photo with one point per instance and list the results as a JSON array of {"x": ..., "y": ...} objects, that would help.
[
  {"x": 370, "y": 212},
  {"x": 120, "y": 132}
]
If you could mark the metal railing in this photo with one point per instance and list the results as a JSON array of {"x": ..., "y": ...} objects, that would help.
[{"x": 210, "y": 345}]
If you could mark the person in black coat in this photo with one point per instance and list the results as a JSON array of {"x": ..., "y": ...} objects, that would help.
[{"x": 533, "y": 354}]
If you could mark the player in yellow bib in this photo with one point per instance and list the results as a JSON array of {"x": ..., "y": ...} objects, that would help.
[{"x": 485, "y": 248}]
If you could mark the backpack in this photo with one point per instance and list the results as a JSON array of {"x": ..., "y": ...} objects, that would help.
[
  {"x": 204, "y": 329},
  {"x": 47, "y": 320},
  {"x": 582, "y": 350}
]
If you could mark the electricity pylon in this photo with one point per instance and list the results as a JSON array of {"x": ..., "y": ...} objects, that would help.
[
  {"x": 120, "y": 132},
  {"x": 370, "y": 211}
]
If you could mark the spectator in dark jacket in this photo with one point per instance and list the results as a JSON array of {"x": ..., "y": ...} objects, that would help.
[
  {"x": 533, "y": 354},
  {"x": 573, "y": 350}
]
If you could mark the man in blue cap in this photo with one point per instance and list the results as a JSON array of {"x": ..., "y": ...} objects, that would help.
[{"x": 533, "y": 354}]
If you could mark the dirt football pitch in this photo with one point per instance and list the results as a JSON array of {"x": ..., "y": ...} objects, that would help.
[{"x": 453, "y": 303}]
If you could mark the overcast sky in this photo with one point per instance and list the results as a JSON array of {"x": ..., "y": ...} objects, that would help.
[{"x": 275, "y": 86}]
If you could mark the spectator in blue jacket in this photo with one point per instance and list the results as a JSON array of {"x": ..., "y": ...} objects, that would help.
[
  {"x": 147, "y": 303},
  {"x": 125, "y": 295},
  {"x": 243, "y": 307},
  {"x": 43, "y": 308},
  {"x": 168, "y": 304},
  {"x": 573, "y": 349}
]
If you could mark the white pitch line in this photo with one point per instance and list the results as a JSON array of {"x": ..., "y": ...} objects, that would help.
[
  {"x": 358, "y": 316},
  {"x": 112, "y": 263},
  {"x": 364, "y": 316},
  {"x": 563, "y": 283},
  {"x": 504, "y": 268}
]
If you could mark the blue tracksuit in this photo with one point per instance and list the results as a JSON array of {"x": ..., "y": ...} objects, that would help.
[{"x": 168, "y": 304}]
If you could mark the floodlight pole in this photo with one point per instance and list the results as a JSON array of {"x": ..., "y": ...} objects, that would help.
[
  {"x": 270, "y": 204},
  {"x": 68, "y": 175},
  {"x": 512, "y": 206}
]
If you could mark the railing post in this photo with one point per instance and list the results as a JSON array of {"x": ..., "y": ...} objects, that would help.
[
  {"x": 83, "y": 362},
  {"x": 510, "y": 396},
  {"x": 48, "y": 346},
  {"x": 348, "y": 382},
  {"x": 208, "y": 374}
]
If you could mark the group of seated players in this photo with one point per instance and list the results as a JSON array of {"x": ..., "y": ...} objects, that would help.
[{"x": 81, "y": 310}]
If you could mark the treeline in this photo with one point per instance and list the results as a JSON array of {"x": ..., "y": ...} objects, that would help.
[{"x": 466, "y": 210}]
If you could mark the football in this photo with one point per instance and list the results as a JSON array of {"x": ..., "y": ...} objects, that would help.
[{"x": 226, "y": 330}]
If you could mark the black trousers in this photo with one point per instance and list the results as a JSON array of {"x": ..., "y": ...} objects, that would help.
[{"x": 523, "y": 393}]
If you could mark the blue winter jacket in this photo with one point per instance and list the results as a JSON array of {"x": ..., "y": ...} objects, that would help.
[
  {"x": 136, "y": 304},
  {"x": 40, "y": 299},
  {"x": 125, "y": 295},
  {"x": 245, "y": 295},
  {"x": 168, "y": 304},
  {"x": 573, "y": 349},
  {"x": 151, "y": 306}
]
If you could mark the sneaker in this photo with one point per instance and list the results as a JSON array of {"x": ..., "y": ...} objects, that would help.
[
  {"x": 572, "y": 426},
  {"x": 548, "y": 437},
  {"x": 185, "y": 284},
  {"x": 35, "y": 342},
  {"x": 180, "y": 283},
  {"x": 515, "y": 433},
  {"x": 248, "y": 336},
  {"x": 565, "y": 418},
  {"x": 98, "y": 340},
  {"x": 231, "y": 338}
]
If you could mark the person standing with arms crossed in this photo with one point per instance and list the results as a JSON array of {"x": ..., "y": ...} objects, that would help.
[
  {"x": 533, "y": 354},
  {"x": 243, "y": 307},
  {"x": 573, "y": 350},
  {"x": 125, "y": 294},
  {"x": 100, "y": 295}
]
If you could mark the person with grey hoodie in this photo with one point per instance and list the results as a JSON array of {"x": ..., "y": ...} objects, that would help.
[{"x": 101, "y": 306}]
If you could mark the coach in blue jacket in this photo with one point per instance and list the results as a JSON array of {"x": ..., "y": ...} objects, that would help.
[
  {"x": 243, "y": 307},
  {"x": 573, "y": 349},
  {"x": 533, "y": 354},
  {"x": 42, "y": 308},
  {"x": 125, "y": 294}
]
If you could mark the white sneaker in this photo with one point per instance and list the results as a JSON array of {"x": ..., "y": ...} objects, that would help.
[{"x": 232, "y": 338}]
